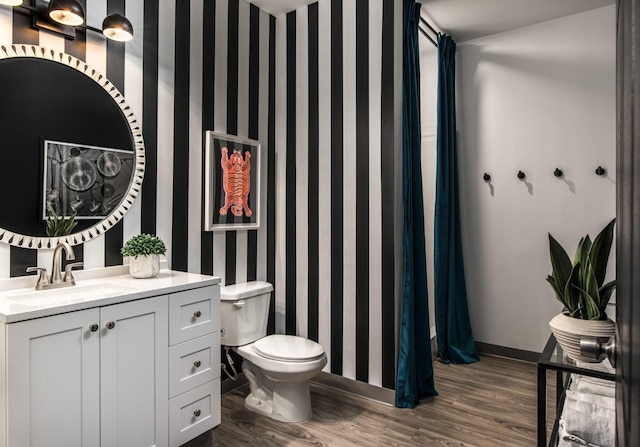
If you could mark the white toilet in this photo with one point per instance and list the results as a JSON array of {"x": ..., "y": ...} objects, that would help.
[{"x": 278, "y": 367}]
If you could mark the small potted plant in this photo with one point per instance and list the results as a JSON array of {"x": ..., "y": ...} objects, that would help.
[
  {"x": 579, "y": 285},
  {"x": 144, "y": 252},
  {"x": 60, "y": 225}
]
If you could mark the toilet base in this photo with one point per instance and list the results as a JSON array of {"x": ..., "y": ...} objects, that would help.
[{"x": 291, "y": 402}]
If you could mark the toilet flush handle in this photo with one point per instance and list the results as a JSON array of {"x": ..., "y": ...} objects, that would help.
[{"x": 239, "y": 304}]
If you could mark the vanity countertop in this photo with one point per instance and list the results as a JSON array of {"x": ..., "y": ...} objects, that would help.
[{"x": 94, "y": 287}]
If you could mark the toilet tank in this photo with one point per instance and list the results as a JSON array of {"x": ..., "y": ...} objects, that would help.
[{"x": 244, "y": 311}]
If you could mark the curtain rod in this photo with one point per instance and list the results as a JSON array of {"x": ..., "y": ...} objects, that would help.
[
  {"x": 425, "y": 33},
  {"x": 435, "y": 44}
]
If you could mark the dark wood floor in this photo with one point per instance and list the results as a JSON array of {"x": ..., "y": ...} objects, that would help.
[{"x": 491, "y": 403}]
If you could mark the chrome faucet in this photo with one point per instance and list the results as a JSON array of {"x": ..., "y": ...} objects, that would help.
[{"x": 57, "y": 279}]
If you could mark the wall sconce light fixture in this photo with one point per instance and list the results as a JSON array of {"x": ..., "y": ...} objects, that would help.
[{"x": 65, "y": 16}]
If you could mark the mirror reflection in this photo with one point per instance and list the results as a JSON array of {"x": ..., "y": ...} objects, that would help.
[{"x": 69, "y": 143}]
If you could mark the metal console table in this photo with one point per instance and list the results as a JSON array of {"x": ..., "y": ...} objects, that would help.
[{"x": 553, "y": 358}]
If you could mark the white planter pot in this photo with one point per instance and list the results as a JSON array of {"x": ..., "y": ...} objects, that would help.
[
  {"x": 568, "y": 332},
  {"x": 146, "y": 266}
]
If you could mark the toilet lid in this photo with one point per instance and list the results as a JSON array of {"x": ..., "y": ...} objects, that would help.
[{"x": 288, "y": 348}]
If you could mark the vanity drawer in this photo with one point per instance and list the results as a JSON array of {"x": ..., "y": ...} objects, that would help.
[
  {"x": 194, "y": 412},
  {"x": 194, "y": 363},
  {"x": 193, "y": 313}
]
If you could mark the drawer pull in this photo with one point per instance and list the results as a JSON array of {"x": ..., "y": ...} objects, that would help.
[
  {"x": 197, "y": 364},
  {"x": 110, "y": 325},
  {"x": 197, "y": 314},
  {"x": 94, "y": 327},
  {"x": 197, "y": 413}
]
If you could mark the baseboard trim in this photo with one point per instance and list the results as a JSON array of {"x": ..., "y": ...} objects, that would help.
[
  {"x": 512, "y": 353},
  {"x": 360, "y": 389}
]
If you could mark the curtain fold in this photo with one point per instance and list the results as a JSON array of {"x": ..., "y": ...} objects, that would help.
[
  {"x": 453, "y": 328},
  {"x": 414, "y": 379}
]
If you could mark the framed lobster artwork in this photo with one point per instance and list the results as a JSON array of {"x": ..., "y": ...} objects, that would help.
[{"x": 231, "y": 183}]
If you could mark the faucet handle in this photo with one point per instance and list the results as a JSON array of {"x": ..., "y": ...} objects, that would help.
[
  {"x": 42, "y": 277},
  {"x": 68, "y": 276}
]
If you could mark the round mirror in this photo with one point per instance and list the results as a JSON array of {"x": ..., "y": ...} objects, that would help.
[{"x": 70, "y": 146}]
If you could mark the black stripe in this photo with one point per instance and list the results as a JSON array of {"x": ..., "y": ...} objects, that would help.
[
  {"x": 22, "y": 31},
  {"x": 314, "y": 258},
  {"x": 179, "y": 229},
  {"x": 21, "y": 258},
  {"x": 337, "y": 226},
  {"x": 232, "y": 122},
  {"x": 386, "y": 156},
  {"x": 78, "y": 46},
  {"x": 362, "y": 190},
  {"x": 271, "y": 173},
  {"x": 208, "y": 101},
  {"x": 290, "y": 198},
  {"x": 113, "y": 239},
  {"x": 149, "y": 209},
  {"x": 254, "y": 92}
]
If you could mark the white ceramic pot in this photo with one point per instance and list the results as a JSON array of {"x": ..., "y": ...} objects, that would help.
[
  {"x": 144, "y": 266},
  {"x": 568, "y": 332}
]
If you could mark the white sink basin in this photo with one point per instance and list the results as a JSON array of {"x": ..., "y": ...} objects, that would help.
[{"x": 65, "y": 295}]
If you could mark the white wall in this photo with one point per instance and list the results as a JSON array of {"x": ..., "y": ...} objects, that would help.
[{"x": 531, "y": 99}]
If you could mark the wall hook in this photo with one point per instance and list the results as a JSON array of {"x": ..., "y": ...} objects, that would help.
[
  {"x": 521, "y": 175},
  {"x": 600, "y": 170},
  {"x": 558, "y": 172},
  {"x": 486, "y": 177}
]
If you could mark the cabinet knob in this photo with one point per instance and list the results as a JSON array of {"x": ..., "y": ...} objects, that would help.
[
  {"x": 93, "y": 328},
  {"x": 197, "y": 413},
  {"x": 110, "y": 325},
  {"x": 197, "y": 364},
  {"x": 197, "y": 314}
]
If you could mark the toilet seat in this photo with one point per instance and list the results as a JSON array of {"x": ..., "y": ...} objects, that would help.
[{"x": 288, "y": 348}]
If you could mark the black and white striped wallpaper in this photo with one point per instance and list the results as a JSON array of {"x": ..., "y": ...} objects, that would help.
[
  {"x": 336, "y": 152},
  {"x": 319, "y": 88}
]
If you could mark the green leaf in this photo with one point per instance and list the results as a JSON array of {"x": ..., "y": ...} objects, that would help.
[
  {"x": 599, "y": 253},
  {"x": 560, "y": 262},
  {"x": 571, "y": 295},
  {"x": 605, "y": 293},
  {"x": 591, "y": 309},
  {"x": 142, "y": 245}
]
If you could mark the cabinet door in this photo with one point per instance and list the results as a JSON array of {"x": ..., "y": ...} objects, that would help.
[
  {"x": 53, "y": 381},
  {"x": 134, "y": 373}
]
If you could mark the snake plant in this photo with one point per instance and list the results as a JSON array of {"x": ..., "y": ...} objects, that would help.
[
  {"x": 579, "y": 285},
  {"x": 60, "y": 225}
]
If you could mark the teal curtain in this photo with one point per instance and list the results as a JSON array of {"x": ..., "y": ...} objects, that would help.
[
  {"x": 414, "y": 380},
  {"x": 453, "y": 328}
]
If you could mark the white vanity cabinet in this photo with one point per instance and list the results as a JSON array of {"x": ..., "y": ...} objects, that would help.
[
  {"x": 96, "y": 377},
  {"x": 137, "y": 370}
]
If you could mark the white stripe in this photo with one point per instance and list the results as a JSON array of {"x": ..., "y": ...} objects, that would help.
[
  {"x": 220, "y": 117},
  {"x": 133, "y": 90},
  {"x": 281, "y": 170},
  {"x": 195, "y": 136},
  {"x": 166, "y": 69},
  {"x": 6, "y": 34},
  {"x": 244, "y": 33},
  {"x": 51, "y": 40},
  {"x": 375, "y": 193},
  {"x": 96, "y": 58},
  {"x": 302, "y": 171},
  {"x": 263, "y": 136},
  {"x": 97, "y": 43},
  {"x": 349, "y": 161},
  {"x": 324, "y": 178}
]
